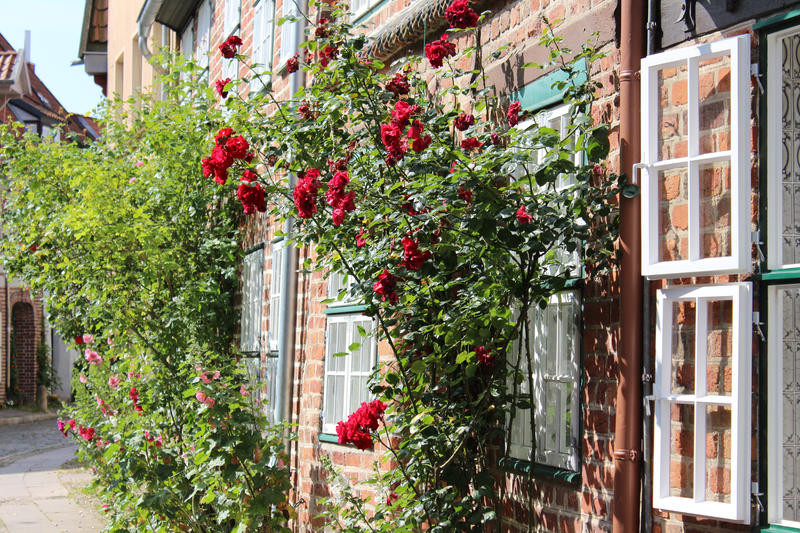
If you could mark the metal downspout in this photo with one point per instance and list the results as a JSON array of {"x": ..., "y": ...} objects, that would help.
[
  {"x": 288, "y": 311},
  {"x": 147, "y": 17},
  {"x": 8, "y": 332},
  {"x": 647, "y": 363},
  {"x": 628, "y": 425}
]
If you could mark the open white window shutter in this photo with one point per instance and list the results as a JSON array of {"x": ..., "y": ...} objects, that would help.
[
  {"x": 702, "y": 435},
  {"x": 687, "y": 138}
]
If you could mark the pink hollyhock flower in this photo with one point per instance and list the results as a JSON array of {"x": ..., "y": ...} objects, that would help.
[
  {"x": 131, "y": 180},
  {"x": 93, "y": 357},
  {"x": 139, "y": 164},
  {"x": 62, "y": 427},
  {"x": 204, "y": 378},
  {"x": 201, "y": 396},
  {"x": 88, "y": 339},
  {"x": 198, "y": 368},
  {"x": 522, "y": 215},
  {"x": 72, "y": 424},
  {"x": 216, "y": 374},
  {"x": 113, "y": 382},
  {"x": 82, "y": 378},
  {"x": 209, "y": 402},
  {"x": 243, "y": 391}
]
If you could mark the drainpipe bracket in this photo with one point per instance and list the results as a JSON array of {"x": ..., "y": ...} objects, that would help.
[{"x": 628, "y": 455}]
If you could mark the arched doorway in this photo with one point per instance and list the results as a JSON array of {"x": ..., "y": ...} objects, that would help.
[{"x": 23, "y": 353}]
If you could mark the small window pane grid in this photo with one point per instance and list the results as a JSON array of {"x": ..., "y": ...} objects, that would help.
[
  {"x": 261, "y": 384},
  {"x": 556, "y": 118},
  {"x": 252, "y": 292},
  {"x": 276, "y": 283},
  {"x": 263, "y": 29},
  {"x": 783, "y": 300},
  {"x": 289, "y": 32},
  {"x": 702, "y": 400},
  {"x": 346, "y": 376},
  {"x": 338, "y": 282},
  {"x": 203, "y": 34},
  {"x": 359, "y": 7},
  {"x": 695, "y": 159},
  {"x": 555, "y": 351}
]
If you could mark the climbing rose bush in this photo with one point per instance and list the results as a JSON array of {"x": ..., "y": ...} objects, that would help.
[{"x": 453, "y": 217}]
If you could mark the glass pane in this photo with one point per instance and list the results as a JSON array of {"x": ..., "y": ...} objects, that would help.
[
  {"x": 718, "y": 453},
  {"x": 714, "y": 84},
  {"x": 715, "y": 209},
  {"x": 334, "y": 396},
  {"x": 338, "y": 344},
  {"x": 790, "y": 404},
  {"x": 719, "y": 348},
  {"x": 683, "y": 347},
  {"x": 566, "y": 417},
  {"x": 673, "y": 215},
  {"x": 552, "y": 411},
  {"x": 790, "y": 162},
  {"x": 673, "y": 111},
  {"x": 681, "y": 450}
]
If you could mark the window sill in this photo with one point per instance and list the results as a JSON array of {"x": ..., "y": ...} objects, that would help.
[
  {"x": 787, "y": 273},
  {"x": 779, "y": 529},
  {"x": 537, "y": 470},
  {"x": 342, "y": 309},
  {"x": 334, "y": 439}
]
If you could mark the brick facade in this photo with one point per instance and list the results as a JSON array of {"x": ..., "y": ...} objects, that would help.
[{"x": 27, "y": 308}]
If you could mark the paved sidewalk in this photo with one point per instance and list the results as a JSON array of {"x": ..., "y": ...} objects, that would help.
[
  {"x": 38, "y": 496},
  {"x": 18, "y": 416}
]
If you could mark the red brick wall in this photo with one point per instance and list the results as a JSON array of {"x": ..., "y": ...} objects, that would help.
[{"x": 28, "y": 336}]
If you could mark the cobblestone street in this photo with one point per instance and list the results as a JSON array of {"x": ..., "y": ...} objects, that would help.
[{"x": 40, "y": 485}]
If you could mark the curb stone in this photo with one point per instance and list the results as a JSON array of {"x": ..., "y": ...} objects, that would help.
[{"x": 24, "y": 419}]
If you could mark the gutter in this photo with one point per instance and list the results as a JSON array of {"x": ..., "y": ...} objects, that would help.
[
  {"x": 628, "y": 425},
  {"x": 289, "y": 266},
  {"x": 147, "y": 17}
]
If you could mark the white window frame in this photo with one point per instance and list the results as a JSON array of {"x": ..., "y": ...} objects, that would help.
[
  {"x": 203, "y": 37},
  {"x": 738, "y": 48},
  {"x": 232, "y": 17},
  {"x": 187, "y": 39},
  {"x": 252, "y": 298},
  {"x": 337, "y": 282},
  {"x": 289, "y": 32},
  {"x": 275, "y": 299},
  {"x": 359, "y": 7},
  {"x": 775, "y": 156},
  {"x": 567, "y": 371},
  {"x": 329, "y": 418},
  {"x": 263, "y": 38},
  {"x": 738, "y": 510}
]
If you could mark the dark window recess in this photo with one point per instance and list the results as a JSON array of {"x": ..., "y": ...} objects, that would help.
[{"x": 684, "y": 19}]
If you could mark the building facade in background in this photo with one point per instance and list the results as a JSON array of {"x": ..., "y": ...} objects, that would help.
[{"x": 670, "y": 390}]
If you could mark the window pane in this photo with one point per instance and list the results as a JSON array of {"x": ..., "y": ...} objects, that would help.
[
  {"x": 790, "y": 160},
  {"x": 673, "y": 215},
  {"x": 719, "y": 348},
  {"x": 715, "y": 209},
  {"x": 714, "y": 84},
  {"x": 673, "y": 110},
  {"x": 718, "y": 453},
  {"x": 683, "y": 347},
  {"x": 681, "y": 450},
  {"x": 790, "y": 402}
]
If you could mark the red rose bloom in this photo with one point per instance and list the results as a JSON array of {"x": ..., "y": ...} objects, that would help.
[
  {"x": 221, "y": 87},
  {"x": 393, "y": 141},
  {"x": 337, "y": 198},
  {"x": 305, "y": 193},
  {"x": 522, "y": 215},
  {"x": 413, "y": 259},
  {"x": 460, "y": 15},
  {"x": 415, "y": 132},
  {"x": 292, "y": 64},
  {"x": 237, "y": 147},
  {"x": 221, "y": 158},
  {"x": 463, "y": 121},
  {"x": 401, "y": 114},
  {"x": 484, "y": 356},
  {"x": 251, "y": 195},
  {"x": 322, "y": 29},
  {"x": 305, "y": 111},
  {"x": 230, "y": 46},
  {"x": 398, "y": 85},
  {"x": 327, "y": 54},
  {"x": 470, "y": 143},
  {"x": 438, "y": 50},
  {"x": 465, "y": 194},
  {"x": 358, "y": 425},
  {"x": 79, "y": 340},
  {"x": 385, "y": 286},
  {"x": 360, "y": 240},
  {"x": 222, "y": 135},
  {"x": 513, "y": 113}
]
